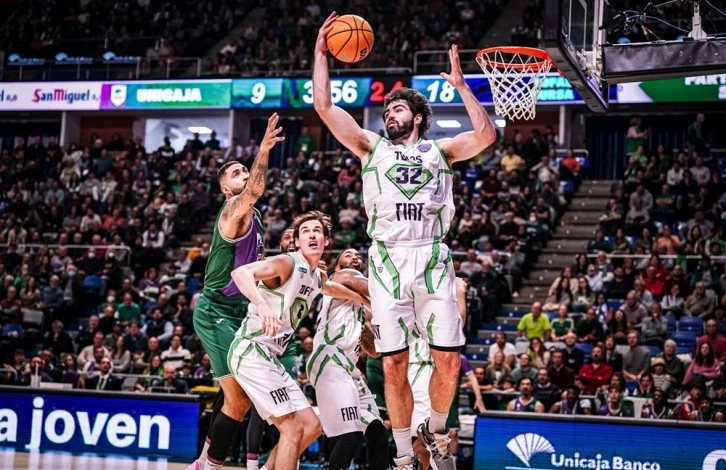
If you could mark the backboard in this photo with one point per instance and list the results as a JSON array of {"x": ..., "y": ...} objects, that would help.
[{"x": 597, "y": 43}]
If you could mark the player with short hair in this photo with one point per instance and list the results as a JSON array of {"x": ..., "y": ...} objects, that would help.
[
  {"x": 347, "y": 407},
  {"x": 281, "y": 289},
  {"x": 236, "y": 240},
  {"x": 408, "y": 194}
]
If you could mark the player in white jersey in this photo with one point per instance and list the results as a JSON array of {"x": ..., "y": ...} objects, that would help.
[
  {"x": 347, "y": 406},
  {"x": 408, "y": 196},
  {"x": 280, "y": 290}
]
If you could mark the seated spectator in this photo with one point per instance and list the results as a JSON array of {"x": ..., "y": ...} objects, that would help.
[
  {"x": 107, "y": 320},
  {"x": 525, "y": 402},
  {"x": 524, "y": 369},
  {"x": 616, "y": 406},
  {"x": 559, "y": 373},
  {"x": 637, "y": 360},
  {"x": 69, "y": 371},
  {"x": 534, "y": 324},
  {"x": 573, "y": 356},
  {"x": 699, "y": 304},
  {"x": 621, "y": 245},
  {"x": 599, "y": 243},
  {"x": 603, "y": 311},
  {"x": 658, "y": 408},
  {"x": 717, "y": 341},
  {"x": 472, "y": 264},
  {"x": 545, "y": 391},
  {"x": 646, "y": 387},
  {"x": 88, "y": 353},
  {"x": 635, "y": 312},
  {"x": 594, "y": 279},
  {"x": 128, "y": 310},
  {"x": 539, "y": 357},
  {"x": 57, "y": 340},
  {"x": 611, "y": 356},
  {"x": 596, "y": 374},
  {"x": 644, "y": 297},
  {"x": 560, "y": 292},
  {"x": 170, "y": 383},
  {"x": 582, "y": 296},
  {"x": 175, "y": 356},
  {"x": 571, "y": 404},
  {"x": 619, "y": 286},
  {"x": 502, "y": 345},
  {"x": 655, "y": 327},
  {"x": 561, "y": 325},
  {"x": 120, "y": 356},
  {"x": 706, "y": 272},
  {"x": 204, "y": 371},
  {"x": 692, "y": 402},
  {"x": 497, "y": 369},
  {"x": 157, "y": 327},
  {"x": 636, "y": 218},
  {"x": 104, "y": 379},
  {"x": 653, "y": 284},
  {"x": 36, "y": 368},
  {"x": 673, "y": 302},
  {"x": 589, "y": 329},
  {"x": 135, "y": 341},
  {"x": 612, "y": 217},
  {"x": 152, "y": 375},
  {"x": 661, "y": 380},
  {"x": 668, "y": 243},
  {"x": 618, "y": 327},
  {"x": 704, "y": 367},
  {"x": 707, "y": 413}
]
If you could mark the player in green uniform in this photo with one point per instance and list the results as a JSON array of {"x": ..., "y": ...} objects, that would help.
[{"x": 237, "y": 240}]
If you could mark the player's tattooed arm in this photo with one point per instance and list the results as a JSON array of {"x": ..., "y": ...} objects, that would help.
[
  {"x": 339, "y": 291},
  {"x": 367, "y": 342},
  {"x": 353, "y": 280}
]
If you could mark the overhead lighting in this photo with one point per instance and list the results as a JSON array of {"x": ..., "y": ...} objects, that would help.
[
  {"x": 500, "y": 123},
  {"x": 448, "y": 124},
  {"x": 199, "y": 130}
]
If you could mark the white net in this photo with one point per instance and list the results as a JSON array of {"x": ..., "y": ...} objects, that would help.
[{"x": 516, "y": 79}]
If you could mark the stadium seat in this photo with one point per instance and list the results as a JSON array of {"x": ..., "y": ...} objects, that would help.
[
  {"x": 671, "y": 322},
  {"x": 476, "y": 357},
  {"x": 631, "y": 386},
  {"x": 512, "y": 314},
  {"x": 654, "y": 350},
  {"x": 478, "y": 340},
  {"x": 685, "y": 338},
  {"x": 691, "y": 324},
  {"x": 615, "y": 303}
]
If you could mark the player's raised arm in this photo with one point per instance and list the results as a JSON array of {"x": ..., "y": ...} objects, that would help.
[
  {"x": 467, "y": 144},
  {"x": 353, "y": 280},
  {"x": 239, "y": 206},
  {"x": 246, "y": 277},
  {"x": 341, "y": 124},
  {"x": 339, "y": 291}
]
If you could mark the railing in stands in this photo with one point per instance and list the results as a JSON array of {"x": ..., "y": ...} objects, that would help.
[
  {"x": 22, "y": 247},
  {"x": 134, "y": 69},
  {"x": 436, "y": 61},
  {"x": 662, "y": 257}
]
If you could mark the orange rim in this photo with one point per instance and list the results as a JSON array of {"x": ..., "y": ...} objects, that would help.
[{"x": 524, "y": 51}]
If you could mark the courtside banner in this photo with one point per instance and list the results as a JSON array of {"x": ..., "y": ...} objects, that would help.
[
  {"x": 196, "y": 94},
  {"x": 127, "y": 424},
  {"x": 509, "y": 441},
  {"x": 698, "y": 89},
  {"x": 50, "y": 96}
]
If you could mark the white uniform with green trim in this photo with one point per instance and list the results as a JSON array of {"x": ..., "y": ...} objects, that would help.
[
  {"x": 409, "y": 200},
  {"x": 253, "y": 356},
  {"x": 344, "y": 400},
  {"x": 420, "y": 368}
]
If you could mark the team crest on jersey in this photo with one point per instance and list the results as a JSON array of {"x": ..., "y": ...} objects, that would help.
[
  {"x": 424, "y": 147},
  {"x": 302, "y": 271}
]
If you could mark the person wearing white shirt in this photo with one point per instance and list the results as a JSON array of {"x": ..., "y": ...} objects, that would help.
[
  {"x": 176, "y": 356},
  {"x": 700, "y": 173},
  {"x": 506, "y": 348},
  {"x": 675, "y": 175}
]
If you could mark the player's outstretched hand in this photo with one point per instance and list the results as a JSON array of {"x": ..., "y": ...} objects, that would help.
[
  {"x": 456, "y": 76},
  {"x": 270, "y": 321},
  {"x": 321, "y": 44},
  {"x": 272, "y": 134}
]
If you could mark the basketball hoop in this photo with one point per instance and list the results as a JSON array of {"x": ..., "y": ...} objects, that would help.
[{"x": 516, "y": 76}]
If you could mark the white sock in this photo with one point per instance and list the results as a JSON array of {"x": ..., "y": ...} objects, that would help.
[
  {"x": 437, "y": 421},
  {"x": 253, "y": 464},
  {"x": 402, "y": 437},
  {"x": 209, "y": 465},
  {"x": 203, "y": 455}
]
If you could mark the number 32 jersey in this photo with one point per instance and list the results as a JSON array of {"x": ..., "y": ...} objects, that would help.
[{"x": 407, "y": 191}]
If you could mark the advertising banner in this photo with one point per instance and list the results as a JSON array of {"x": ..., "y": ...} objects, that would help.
[
  {"x": 195, "y": 94},
  {"x": 511, "y": 443},
  {"x": 700, "y": 89},
  {"x": 50, "y": 96},
  {"x": 79, "y": 423}
]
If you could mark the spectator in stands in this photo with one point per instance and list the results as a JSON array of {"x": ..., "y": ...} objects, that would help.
[
  {"x": 635, "y": 312},
  {"x": 673, "y": 301},
  {"x": 99, "y": 353},
  {"x": 707, "y": 273},
  {"x": 157, "y": 327},
  {"x": 594, "y": 279},
  {"x": 699, "y": 304},
  {"x": 472, "y": 265},
  {"x": 107, "y": 321},
  {"x": 120, "y": 356},
  {"x": 497, "y": 369},
  {"x": 88, "y": 354},
  {"x": 637, "y": 360},
  {"x": 176, "y": 355},
  {"x": 645, "y": 387},
  {"x": 574, "y": 357},
  {"x": 658, "y": 408},
  {"x": 655, "y": 327},
  {"x": 699, "y": 220},
  {"x": 673, "y": 364},
  {"x": 589, "y": 329},
  {"x": 152, "y": 375},
  {"x": 534, "y": 324},
  {"x": 596, "y": 373},
  {"x": 135, "y": 341},
  {"x": 539, "y": 357},
  {"x": 57, "y": 340},
  {"x": 618, "y": 327},
  {"x": 561, "y": 325},
  {"x": 37, "y": 368},
  {"x": 52, "y": 296},
  {"x": 69, "y": 371},
  {"x": 104, "y": 380},
  {"x": 637, "y": 218},
  {"x": 603, "y": 311},
  {"x": 618, "y": 287},
  {"x": 653, "y": 284},
  {"x": 525, "y": 402},
  {"x": 712, "y": 337},
  {"x": 524, "y": 369},
  {"x": 170, "y": 381},
  {"x": 582, "y": 296},
  {"x": 559, "y": 373},
  {"x": 645, "y": 197},
  {"x": 635, "y": 137},
  {"x": 661, "y": 380},
  {"x": 560, "y": 292},
  {"x": 507, "y": 349},
  {"x": 545, "y": 391},
  {"x": 616, "y": 406},
  {"x": 611, "y": 356},
  {"x": 707, "y": 413},
  {"x": 704, "y": 367}
]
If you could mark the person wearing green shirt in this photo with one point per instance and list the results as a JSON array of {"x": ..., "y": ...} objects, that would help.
[
  {"x": 561, "y": 325},
  {"x": 128, "y": 310},
  {"x": 306, "y": 142},
  {"x": 534, "y": 324},
  {"x": 635, "y": 138},
  {"x": 346, "y": 236}
]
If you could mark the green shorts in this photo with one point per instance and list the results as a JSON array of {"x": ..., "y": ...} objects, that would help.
[
  {"x": 289, "y": 360},
  {"x": 216, "y": 320},
  {"x": 374, "y": 374},
  {"x": 452, "y": 421}
]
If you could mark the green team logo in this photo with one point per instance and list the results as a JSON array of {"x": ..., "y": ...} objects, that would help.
[
  {"x": 409, "y": 179},
  {"x": 298, "y": 311}
]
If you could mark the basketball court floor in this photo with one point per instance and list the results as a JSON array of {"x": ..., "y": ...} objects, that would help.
[{"x": 11, "y": 460}]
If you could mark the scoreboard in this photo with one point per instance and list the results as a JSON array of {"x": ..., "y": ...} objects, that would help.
[{"x": 280, "y": 93}]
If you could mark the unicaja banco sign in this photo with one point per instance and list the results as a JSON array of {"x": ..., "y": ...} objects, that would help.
[
  {"x": 160, "y": 95},
  {"x": 524, "y": 443}
]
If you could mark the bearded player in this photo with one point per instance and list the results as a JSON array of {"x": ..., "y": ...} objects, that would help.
[
  {"x": 348, "y": 410},
  {"x": 407, "y": 189},
  {"x": 236, "y": 241}
]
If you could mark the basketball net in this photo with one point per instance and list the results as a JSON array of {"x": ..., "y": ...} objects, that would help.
[{"x": 516, "y": 76}]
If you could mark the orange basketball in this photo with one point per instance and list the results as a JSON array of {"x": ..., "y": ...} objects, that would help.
[{"x": 351, "y": 38}]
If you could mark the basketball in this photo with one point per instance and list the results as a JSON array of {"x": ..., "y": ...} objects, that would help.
[{"x": 351, "y": 39}]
